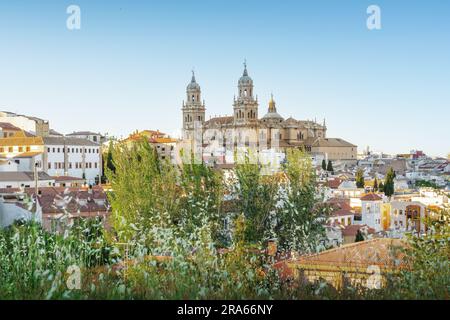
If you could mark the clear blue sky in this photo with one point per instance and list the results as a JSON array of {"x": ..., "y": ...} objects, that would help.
[{"x": 128, "y": 66}]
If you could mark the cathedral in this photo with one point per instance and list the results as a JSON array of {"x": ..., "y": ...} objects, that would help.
[{"x": 246, "y": 128}]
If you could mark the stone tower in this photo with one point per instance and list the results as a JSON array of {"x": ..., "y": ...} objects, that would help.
[
  {"x": 193, "y": 109},
  {"x": 245, "y": 107}
]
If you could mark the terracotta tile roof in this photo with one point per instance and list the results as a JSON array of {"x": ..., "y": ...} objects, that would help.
[
  {"x": 364, "y": 253},
  {"x": 334, "y": 184},
  {"x": 352, "y": 230},
  {"x": 20, "y": 138},
  {"x": 341, "y": 213},
  {"x": 67, "y": 178},
  {"x": 371, "y": 197},
  {"x": 9, "y": 126},
  {"x": 340, "y": 203},
  {"x": 76, "y": 201},
  {"x": 27, "y": 154}
]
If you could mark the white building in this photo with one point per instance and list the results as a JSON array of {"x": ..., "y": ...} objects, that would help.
[
  {"x": 371, "y": 211},
  {"x": 73, "y": 157}
]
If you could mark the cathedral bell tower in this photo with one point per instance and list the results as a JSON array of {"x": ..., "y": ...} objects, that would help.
[
  {"x": 245, "y": 107},
  {"x": 193, "y": 109}
]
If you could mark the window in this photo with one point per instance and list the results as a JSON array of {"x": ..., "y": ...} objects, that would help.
[
  {"x": 28, "y": 149},
  {"x": 20, "y": 149},
  {"x": 73, "y": 150},
  {"x": 2, "y": 149},
  {"x": 48, "y": 150},
  {"x": 58, "y": 150},
  {"x": 10, "y": 149},
  {"x": 70, "y": 165},
  {"x": 53, "y": 150},
  {"x": 49, "y": 165},
  {"x": 96, "y": 165}
]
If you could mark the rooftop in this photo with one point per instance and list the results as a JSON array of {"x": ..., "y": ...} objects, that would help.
[
  {"x": 22, "y": 176},
  {"x": 8, "y": 126},
  {"x": 371, "y": 197},
  {"x": 59, "y": 141}
]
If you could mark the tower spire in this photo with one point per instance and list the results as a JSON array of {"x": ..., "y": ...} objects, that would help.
[
  {"x": 272, "y": 107},
  {"x": 193, "y": 76},
  {"x": 245, "y": 74}
]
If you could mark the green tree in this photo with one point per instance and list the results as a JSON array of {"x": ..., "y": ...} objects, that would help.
[
  {"x": 109, "y": 158},
  {"x": 330, "y": 166},
  {"x": 381, "y": 187},
  {"x": 389, "y": 182},
  {"x": 257, "y": 197},
  {"x": 107, "y": 162},
  {"x": 145, "y": 191},
  {"x": 300, "y": 220},
  {"x": 324, "y": 165},
  {"x": 360, "y": 178},
  {"x": 375, "y": 184},
  {"x": 359, "y": 236},
  {"x": 426, "y": 274}
]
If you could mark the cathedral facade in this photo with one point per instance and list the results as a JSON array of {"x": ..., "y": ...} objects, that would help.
[{"x": 246, "y": 128}]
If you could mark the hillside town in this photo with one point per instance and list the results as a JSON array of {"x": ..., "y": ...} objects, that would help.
[{"x": 56, "y": 179}]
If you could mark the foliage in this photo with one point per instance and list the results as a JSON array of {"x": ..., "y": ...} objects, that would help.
[
  {"x": 375, "y": 184},
  {"x": 300, "y": 219},
  {"x": 257, "y": 196},
  {"x": 165, "y": 241},
  {"x": 330, "y": 166},
  {"x": 359, "y": 236},
  {"x": 145, "y": 190},
  {"x": 360, "y": 178},
  {"x": 324, "y": 165},
  {"x": 427, "y": 272},
  {"x": 389, "y": 182},
  {"x": 33, "y": 263},
  {"x": 425, "y": 184}
]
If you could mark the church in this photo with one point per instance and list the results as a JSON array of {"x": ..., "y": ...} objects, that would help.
[{"x": 246, "y": 128}]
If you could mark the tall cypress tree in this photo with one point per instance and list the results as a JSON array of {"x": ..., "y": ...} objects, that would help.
[
  {"x": 389, "y": 182},
  {"x": 375, "y": 184},
  {"x": 324, "y": 165},
  {"x": 359, "y": 178},
  {"x": 330, "y": 166}
]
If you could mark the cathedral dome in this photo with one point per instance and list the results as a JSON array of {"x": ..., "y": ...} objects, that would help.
[
  {"x": 245, "y": 79},
  {"x": 273, "y": 115},
  {"x": 272, "y": 112},
  {"x": 193, "y": 85}
]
